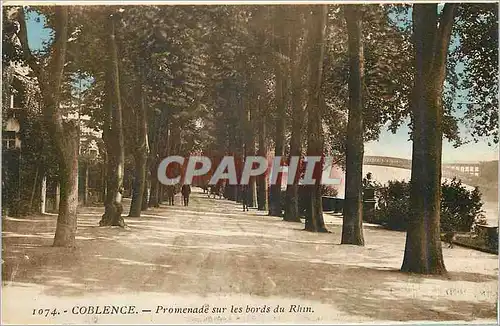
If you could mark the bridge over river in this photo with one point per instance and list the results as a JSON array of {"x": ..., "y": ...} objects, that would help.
[{"x": 469, "y": 173}]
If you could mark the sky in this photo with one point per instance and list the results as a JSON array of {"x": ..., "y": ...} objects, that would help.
[
  {"x": 36, "y": 33},
  {"x": 394, "y": 145},
  {"x": 398, "y": 145}
]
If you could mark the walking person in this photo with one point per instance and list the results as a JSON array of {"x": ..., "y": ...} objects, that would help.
[
  {"x": 186, "y": 191},
  {"x": 244, "y": 196},
  {"x": 450, "y": 237},
  {"x": 171, "y": 195}
]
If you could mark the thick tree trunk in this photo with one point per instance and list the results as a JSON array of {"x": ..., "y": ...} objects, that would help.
[
  {"x": 153, "y": 194},
  {"x": 115, "y": 143},
  {"x": 140, "y": 155},
  {"x": 314, "y": 216},
  {"x": 68, "y": 178},
  {"x": 352, "y": 224},
  {"x": 64, "y": 135},
  {"x": 423, "y": 252}
]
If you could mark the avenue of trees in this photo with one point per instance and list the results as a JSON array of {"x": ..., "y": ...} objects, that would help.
[{"x": 317, "y": 80}]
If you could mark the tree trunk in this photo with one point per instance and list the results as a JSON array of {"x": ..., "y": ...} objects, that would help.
[
  {"x": 85, "y": 186},
  {"x": 160, "y": 147},
  {"x": 314, "y": 216},
  {"x": 292, "y": 190},
  {"x": 282, "y": 73},
  {"x": 140, "y": 155},
  {"x": 43, "y": 195},
  {"x": 423, "y": 252},
  {"x": 161, "y": 192},
  {"x": 153, "y": 194},
  {"x": 139, "y": 184},
  {"x": 236, "y": 193},
  {"x": 65, "y": 138},
  {"x": 279, "y": 150},
  {"x": 115, "y": 144},
  {"x": 68, "y": 180},
  {"x": 64, "y": 134},
  {"x": 57, "y": 199},
  {"x": 352, "y": 224},
  {"x": 298, "y": 62},
  {"x": 262, "y": 180},
  {"x": 291, "y": 209},
  {"x": 104, "y": 177},
  {"x": 33, "y": 189},
  {"x": 145, "y": 194},
  {"x": 250, "y": 150}
]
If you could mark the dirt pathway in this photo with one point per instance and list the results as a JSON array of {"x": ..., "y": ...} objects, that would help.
[{"x": 213, "y": 254}]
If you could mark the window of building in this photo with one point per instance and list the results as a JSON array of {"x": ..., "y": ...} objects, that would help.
[{"x": 9, "y": 139}]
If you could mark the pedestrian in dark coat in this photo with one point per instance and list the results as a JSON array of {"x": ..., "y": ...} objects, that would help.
[
  {"x": 186, "y": 191},
  {"x": 244, "y": 196}
]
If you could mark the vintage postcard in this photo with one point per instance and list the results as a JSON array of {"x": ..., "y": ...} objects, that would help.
[{"x": 236, "y": 162}]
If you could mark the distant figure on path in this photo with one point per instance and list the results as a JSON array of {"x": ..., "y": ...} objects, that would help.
[
  {"x": 217, "y": 189},
  {"x": 186, "y": 191},
  {"x": 170, "y": 195},
  {"x": 244, "y": 196},
  {"x": 205, "y": 188},
  {"x": 449, "y": 237}
]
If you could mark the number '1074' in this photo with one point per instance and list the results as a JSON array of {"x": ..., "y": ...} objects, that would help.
[{"x": 45, "y": 312}]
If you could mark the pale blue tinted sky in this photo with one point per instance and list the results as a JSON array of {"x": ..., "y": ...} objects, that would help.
[
  {"x": 36, "y": 33},
  {"x": 396, "y": 145}
]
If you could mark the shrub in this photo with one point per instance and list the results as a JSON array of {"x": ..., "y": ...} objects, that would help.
[
  {"x": 329, "y": 191},
  {"x": 460, "y": 207},
  {"x": 393, "y": 203}
]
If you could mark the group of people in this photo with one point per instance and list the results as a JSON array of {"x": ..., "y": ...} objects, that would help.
[
  {"x": 219, "y": 189},
  {"x": 185, "y": 191},
  {"x": 212, "y": 190}
]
